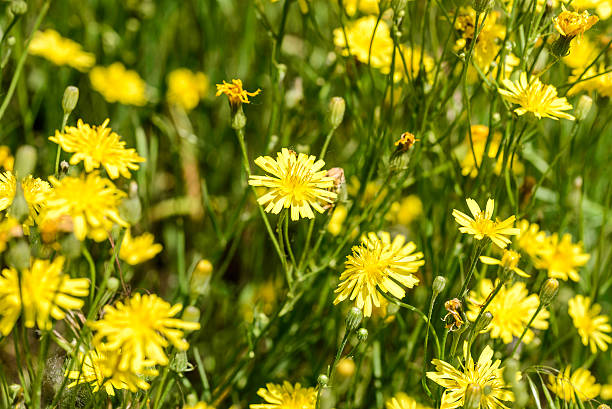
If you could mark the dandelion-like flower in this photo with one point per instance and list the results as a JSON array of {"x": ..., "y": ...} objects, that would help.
[
  {"x": 592, "y": 327},
  {"x": 296, "y": 183},
  {"x": 141, "y": 328},
  {"x": 8, "y": 185},
  {"x": 482, "y": 226},
  {"x": 89, "y": 200},
  {"x": 603, "y": 8},
  {"x": 530, "y": 239},
  {"x": 7, "y": 161},
  {"x": 100, "y": 370},
  {"x": 97, "y": 146},
  {"x": 136, "y": 250},
  {"x": 405, "y": 211},
  {"x": 364, "y": 6},
  {"x": 571, "y": 24},
  {"x": 485, "y": 373},
  {"x": 567, "y": 385},
  {"x": 40, "y": 292},
  {"x": 512, "y": 309},
  {"x": 561, "y": 258},
  {"x": 35, "y": 192},
  {"x": 186, "y": 88},
  {"x": 508, "y": 261},
  {"x": 9, "y": 228},
  {"x": 50, "y": 45},
  {"x": 535, "y": 97},
  {"x": 235, "y": 93},
  {"x": 476, "y": 150},
  {"x": 286, "y": 396},
  {"x": 199, "y": 405},
  {"x": 376, "y": 265},
  {"x": 116, "y": 84},
  {"x": 369, "y": 40},
  {"x": 403, "y": 401}
]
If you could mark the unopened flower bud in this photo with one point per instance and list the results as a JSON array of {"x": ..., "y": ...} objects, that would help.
[
  {"x": 179, "y": 362},
  {"x": 25, "y": 160},
  {"x": 438, "y": 285},
  {"x": 112, "y": 284},
  {"x": 192, "y": 400},
  {"x": 583, "y": 107},
  {"x": 200, "y": 277},
  {"x": 238, "y": 118},
  {"x": 19, "y": 209},
  {"x": 353, "y": 318},
  {"x": 18, "y": 7},
  {"x": 131, "y": 209},
  {"x": 484, "y": 321},
  {"x": 19, "y": 255},
  {"x": 191, "y": 314},
  {"x": 473, "y": 394},
  {"x": 549, "y": 291},
  {"x": 70, "y": 99},
  {"x": 603, "y": 406},
  {"x": 71, "y": 246},
  {"x": 323, "y": 380},
  {"x": 362, "y": 334},
  {"x": 482, "y": 5},
  {"x": 337, "y": 106},
  {"x": 561, "y": 46}
]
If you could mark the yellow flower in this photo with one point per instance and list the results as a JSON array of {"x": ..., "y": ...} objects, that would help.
[
  {"x": 40, "y": 292},
  {"x": 337, "y": 220},
  {"x": 364, "y": 6},
  {"x": 484, "y": 373},
  {"x": 508, "y": 261},
  {"x": 199, "y": 405},
  {"x": 8, "y": 185},
  {"x": 91, "y": 202},
  {"x": 571, "y": 24},
  {"x": 9, "y": 228},
  {"x": 116, "y": 84},
  {"x": 141, "y": 328},
  {"x": 286, "y": 396},
  {"x": 582, "y": 53},
  {"x": 408, "y": 63},
  {"x": 235, "y": 93},
  {"x": 479, "y": 143},
  {"x": 596, "y": 78},
  {"x": 482, "y": 226},
  {"x": 377, "y": 265},
  {"x": 186, "y": 88},
  {"x": 7, "y": 161},
  {"x": 97, "y": 146},
  {"x": 530, "y": 239},
  {"x": 561, "y": 257},
  {"x": 535, "y": 97},
  {"x": 359, "y": 35},
  {"x": 591, "y": 326},
  {"x": 60, "y": 51},
  {"x": 403, "y": 401},
  {"x": 406, "y": 210},
  {"x": 297, "y": 182},
  {"x": 580, "y": 383},
  {"x": 135, "y": 250},
  {"x": 35, "y": 192},
  {"x": 100, "y": 370},
  {"x": 512, "y": 309},
  {"x": 602, "y": 7}
]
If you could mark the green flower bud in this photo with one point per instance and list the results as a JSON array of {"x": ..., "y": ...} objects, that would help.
[
  {"x": 25, "y": 160},
  {"x": 549, "y": 291},
  {"x": 112, "y": 284},
  {"x": 561, "y": 47},
  {"x": 438, "y": 285},
  {"x": 337, "y": 106},
  {"x": 482, "y": 5},
  {"x": 362, "y": 334},
  {"x": 353, "y": 318},
  {"x": 200, "y": 278},
  {"x": 191, "y": 314},
  {"x": 238, "y": 118},
  {"x": 19, "y": 255},
  {"x": 323, "y": 380},
  {"x": 603, "y": 406},
  {"x": 583, "y": 107},
  {"x": 473, "y": 394},
  {"x": 180, "y": 363},
  {"x": 131, "y": 209},
  {"x": 18, "y": 7},
  {"x": 71, "y": 246},
  {"x": 19, "y": 209},
  {"x": 484, "y": 321},
  {"x": 70, "y": 99}
]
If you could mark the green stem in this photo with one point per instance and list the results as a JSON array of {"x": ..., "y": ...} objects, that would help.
[
  {"x": 483, "y": 309},
  {"x": 478, "y": 249},
  {"x": 92, "y": 273},
  {"x": 42, "y": 356},
  {"x": 287, "y": 243},
  {"x": 518, "y": 342},
  {"x": 59, "y": 147}
]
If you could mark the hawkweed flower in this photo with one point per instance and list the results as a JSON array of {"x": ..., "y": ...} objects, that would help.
[
  {"x": 509, "y": 261},
  {"x": 296, "y": 183},
  {"x": 530, "y": 239},
  {"x": 100, "y": 370},
  {"x": 136, "y": 250},
  {"x": 186, "y": 88},
  {"x": 35, "y": 192},
  {"x": 535, "y": 97},
  {"x": 50, "y": 45},
  {"x": 485, "y": 373},
  {"x": 603, "y": 8},
  {"x": 7, "y": 161},
  {"x": 286, "y": 396},
  {"x": 593, "y": 328},
  {"x": 89, "y": 200},
  {"x": 141, "y": 327},
  {"x": 512, "y": 308},
  {"x": 236, "y": 95},
  {"x": 481, "y": 225},
  {"x": 40, "y": 292},
  {"x": 364, "y": 6},
  {"x": 336, "y": 221},
  {"x": 9, "y": 228},
  {"x": 368, "y": 39},
  {"x": 561, "y": 258},
  {"x": 97, "y": 146},
  {"x": 570, "y": 24},
  {"x": 403, "y": 401},
  {"x": 378, "y": 265},
  {"x": 116, "y": 84},
  {"x": 474, "y": 152},
  {"x": 567, "y": 385},
  {"x": 405, "y": 211}
]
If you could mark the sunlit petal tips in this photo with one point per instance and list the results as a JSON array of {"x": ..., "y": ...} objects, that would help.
[
  {"x": 286, "y": 396},
  {"x": 481, "y": 225}
]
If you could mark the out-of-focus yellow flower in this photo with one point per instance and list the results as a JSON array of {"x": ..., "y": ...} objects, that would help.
[
  {"x": 512, "y": 309},
  {"x": 567, "y": 385},
  {"x": 35, "y": 192},
  {"x": 571, "y": 24},
  {"x": 376, "y": 265},
  {"x": 479, "y": 142},
  {"x": 116, "y": 84},
  {"x": 8, "y": 185},
  {"x": 9, "y": 228},
  {"x": 535, "y": 97},
  {"x": 186, "y": 88},
  {"x": 485, "y": 373},
  {"x": 508, "y": 261},
  {"x": 337, "y": 220},
  {"x": 364, "y": 6},
  {"x": 582, "y": 53},
  {"x": 235, "y": 93},
  {"x": 100, "y": 370},
  {"x": 141, "y": 328},
  {"x": 360, "y": 34},
  {"x": 199, "y": 405},
  {"x": 591, "y": 326},
  {"x": 98, "y": 146},
  {"x": 403, "y": 401},
  {"x": 40, "y": 292},
  {"x": 286, "y": 396},
  {"x": 406, "y": 210},
  {"x": 136, "y": 250},
  {"x": 561, "y": 258},
  {"x": 91, "y": 202},
  {"x": 7, "y": 161},
  {"x": 606, "y": 390},
  {"x": 482, "y": 226},
  {"x": 296, "y": 183},
  {"x": 530, "y": 239},
  {"x": 539, "y": 4},
  {"x": 50, "y": 45},
  {"x": 596, "y": 78},
  {"x": 408, "y": 63},
  {"x": 603, "y": 8}
]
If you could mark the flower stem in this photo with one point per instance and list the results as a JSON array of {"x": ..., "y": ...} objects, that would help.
[
  {"x": 518, "y": 342},
  {"x": 478, "y": 249}
]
